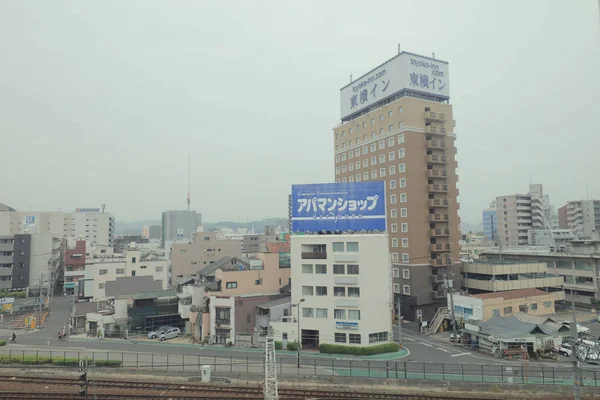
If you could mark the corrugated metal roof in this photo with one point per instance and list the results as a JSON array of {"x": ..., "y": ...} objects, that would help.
[
  {"x": 275, "y": 302},
  {"x": 155, "y": 294}
]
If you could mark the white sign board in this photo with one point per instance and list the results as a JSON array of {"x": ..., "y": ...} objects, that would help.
[
  {"x": 7, "y": 300},
  {"x": 405, "y": 71},
  {"x": 29, "y": 224}
]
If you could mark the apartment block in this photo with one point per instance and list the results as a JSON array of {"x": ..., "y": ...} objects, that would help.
[
  {"x": 152, "y": 232},
  {"x": 89, "y": 224},
  {"x": 407, "y": 140},
  {"x": 205, "y": 249},
  {"x": 518, "y": 213},
  {"x": 31, "y": 262},
  {"x": 583, "y": 218},
  {"x": 75, "y": 257}
]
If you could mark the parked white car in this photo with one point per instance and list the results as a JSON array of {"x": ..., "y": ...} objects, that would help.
[
  {"x": 170, "y": 334},
  {"x": 565, "y": 349},
  {"x": 580, "y": 328}
]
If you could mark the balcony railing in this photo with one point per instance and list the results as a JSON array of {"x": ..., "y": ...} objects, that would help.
[
  {"x": 438, "y": 217},
  {"x": 438, "y": 203},
  {"x": 437, "y": 173},
  {"x": 439, "y": 247},
  {"x": 439, "y": 232},
  {"x": 441, "y": 262},
  {"x": 438, "y": 188},
  {"x": 439, "y": 294},
  {"x": 435, "y": 279},
  {"x": 314, "y": 256},
  {"x": 220, "y": 322},
  {"x": 435, "y": 144},
  {"x": 435, "y": 159},
  {"x": 433, "y": 116}
]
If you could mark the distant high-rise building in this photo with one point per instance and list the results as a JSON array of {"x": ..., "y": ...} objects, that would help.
[
  {"x": 152, "y": 232},
  {"x": 518, "y": 213},
  {"x": 490, "y": 223},
  {"x": 84, "y": 223},
  {"x": 397, "y": 126},
  {"x": 562, "y": 217},
  {"x": 583, "y": 218},
  {"x": 179, "y": 226}
]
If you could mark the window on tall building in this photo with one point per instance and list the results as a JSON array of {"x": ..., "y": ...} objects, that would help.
[
  {"x": 393, "y": 199},
  {"x": 390, "y": 128},
  {"x": 307, "y": 268},
  {"x": 365, "y": 163},
  {"x": 401, "y": 153},
  {"x": 395, "y": 257},
  {"x": 381, "y": 172},
  {"x": 396, "y": 288},
  {"x": 404, "y": 227},
  {"x": 381, "y": 144},
  {"x": 406, "y": 274},
  {"x": 400, "y": 138},
  {"x": 394, "y": 242},
  {"x": 343, "y": 156},
  {"x": 396, "y": 273},
  {"x": 381, "y": 117},
  {"x": 357, "y": 177},
  {"x": 381, "y": 158},
  {"x": 354, "y": 314},
  {"x": 321, "y": 313},
  {"x": 373, "y": 147},
  {"x": 399, "y": 110},
  {"x": 365, "y": 150},
  {"x": 402, "y": 168},
  {"x": 394, "y": 213},
  {"x": 405, "y": 258},
  {"x": 394, "y": 228},
  {"x": 406, "y": 289},
  {"x": 390, "y": 142},
  {"x": 392, "y": 169},
  {"x": 403, "y": 182},
  {"x": 392, "y": 184},
  {"x": 308, "y": 312},
  {"x": 353, "y": 269},
  {"x": 372, "y": 121},
  {"x": 338, "y": 247},
  {"x": 373, "y": 160},
  {"x": 337, "y": 159},
  {"x": 321, "y": 290},
  {"x": 352, "y": 246},
  {"x": 339, "y": 314},
  {"x": 374, "y": 174},
  {"x": 404, "y": 212},
  {"x": 391, "y": 155},
  {"x": 403, "y": 198},
  {"x": 307, "y": 291},
  {"x": 404, "y": 242},
  {"x": 365, "y": 176}
]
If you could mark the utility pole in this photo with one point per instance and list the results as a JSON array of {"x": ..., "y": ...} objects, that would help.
[
  {"x": 399, "y": 321},
  {"x": 576, "y": 373},
  {"x": 449, "y": 285}
]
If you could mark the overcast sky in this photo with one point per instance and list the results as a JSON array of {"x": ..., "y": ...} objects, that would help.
[{"x": 102, "y": 102}]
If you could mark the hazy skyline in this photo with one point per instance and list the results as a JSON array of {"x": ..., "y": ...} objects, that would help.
[{"x": 103, "y": 102}]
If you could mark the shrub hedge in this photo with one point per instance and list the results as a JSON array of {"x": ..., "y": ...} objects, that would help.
[
  {"x": 58, "y": 361},
  {"x": 292, "y": 346},
  {"x": 359, "y": 350},
  {"x": 278, "y": 345},
  {"x": 2, "y": 342}
]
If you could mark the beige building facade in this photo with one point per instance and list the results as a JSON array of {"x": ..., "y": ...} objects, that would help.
[
  {"x": 205, "y": 249},
  {"x": 410, "y": 144},
  {"x": 265, "y": 280},
  {"x": 481, "y": 307}
]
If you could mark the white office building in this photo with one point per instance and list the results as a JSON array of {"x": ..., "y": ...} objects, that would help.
[
  {"x": 342, "y": 284},
  {"x": 98, "y": 271}
]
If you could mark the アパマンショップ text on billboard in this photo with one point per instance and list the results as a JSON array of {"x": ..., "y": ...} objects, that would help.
[{"x": 339, "y": 207}]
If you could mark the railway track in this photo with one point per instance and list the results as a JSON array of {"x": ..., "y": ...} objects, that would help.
[{"x": 204, "y": 391}]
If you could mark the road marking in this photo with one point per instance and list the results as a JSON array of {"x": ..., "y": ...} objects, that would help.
[
  {"x": 427, "y": 344},
  {"x": 409, "y": 339},
  {"x": 444, "y": 350},
  {"x": 460, "y": 354}
]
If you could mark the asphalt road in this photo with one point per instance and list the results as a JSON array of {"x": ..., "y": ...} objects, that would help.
[{"x": 432, "y": 353}]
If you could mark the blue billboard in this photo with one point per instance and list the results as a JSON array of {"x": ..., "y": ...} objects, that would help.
[{"x": 353, "y": 206}]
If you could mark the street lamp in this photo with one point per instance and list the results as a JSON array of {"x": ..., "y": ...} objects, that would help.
[{"x": 299, "y": 339}]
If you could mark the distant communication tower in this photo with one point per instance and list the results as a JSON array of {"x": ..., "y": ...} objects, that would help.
[
  {"x": 189, "y": 174},
  {"x": 270, "y": 389}
]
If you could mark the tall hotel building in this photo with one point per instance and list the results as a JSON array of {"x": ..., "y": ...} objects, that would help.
[{"x": 397, "y": 126}]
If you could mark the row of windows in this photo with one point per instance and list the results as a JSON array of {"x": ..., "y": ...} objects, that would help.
[
  {"x": 403, "y": 213},
  {"x": 353, "y": 315},
  {"x": 365, "y": 137},
  {"x": 405, "y": 257},
  {"x": 120, "y": 271},
  {"x": 373, "y": 147},
  {"x": 405, "y": 273},
  {"x": 365, "y": 164},
  {"x": 338, "y": 291},
  {"x": 353, "y": 337},
  {"x": 338, "y": 269},
  {"x": 364, "y": 124},
  {"x": 405, "y": 289},
  {"x": 404, "y": 242},
  {"x": 338, "y": 247}
]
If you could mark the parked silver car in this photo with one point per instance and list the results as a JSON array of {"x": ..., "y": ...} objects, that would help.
[
  {"x": 170, "y": 334},
  {"x": 156, "y": 333}
]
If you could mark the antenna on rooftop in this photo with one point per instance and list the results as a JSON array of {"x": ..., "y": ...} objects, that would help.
[
  {"x": 188, "y": 194},
  {"x": 398, "y": 48}
]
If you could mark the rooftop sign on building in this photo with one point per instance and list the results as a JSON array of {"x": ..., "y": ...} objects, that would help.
[
  {"x": 406, "y": 71},
  {"x": 357, "y": 206}
]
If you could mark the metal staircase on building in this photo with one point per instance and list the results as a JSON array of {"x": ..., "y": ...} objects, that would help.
[{"x": 441, "y": 314}]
